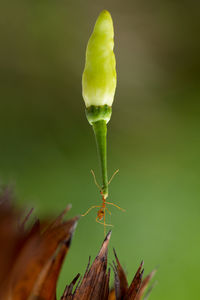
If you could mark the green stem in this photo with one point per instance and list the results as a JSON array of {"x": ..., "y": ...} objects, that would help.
[
  {"x": 98, "y": 117},
  {"x": 100, "y": 131}
]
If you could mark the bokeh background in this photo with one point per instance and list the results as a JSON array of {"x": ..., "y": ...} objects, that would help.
[{"x": 47, "y": 147}]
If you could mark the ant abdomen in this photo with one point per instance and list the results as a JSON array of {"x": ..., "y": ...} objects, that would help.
[{"x": 100, "y": 214}]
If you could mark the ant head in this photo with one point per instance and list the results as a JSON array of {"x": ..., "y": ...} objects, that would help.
[
  {"x": 103, "y": 195},
  {"x": 100, "y": 214}
]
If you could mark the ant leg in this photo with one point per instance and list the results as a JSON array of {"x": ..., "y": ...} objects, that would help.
[
  {"x": 115, "y": 173},
  {"x": 94, "y": 206},
  {"x": 108, "y": 210},
  {"x": 103, "y": 223},
  {"x": 95, "y": 180},
  {"x": 115, "y": 205}
]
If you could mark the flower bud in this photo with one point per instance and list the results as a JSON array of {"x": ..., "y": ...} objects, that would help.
[{"x": 99, "y": 76}]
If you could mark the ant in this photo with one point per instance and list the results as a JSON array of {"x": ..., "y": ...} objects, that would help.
[{"x": 101, "y": 214}]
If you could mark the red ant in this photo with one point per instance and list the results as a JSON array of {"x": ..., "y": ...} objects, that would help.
[{"x": 101, "y": 214}]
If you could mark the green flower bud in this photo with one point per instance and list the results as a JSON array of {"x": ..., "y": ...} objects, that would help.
[
  {"x": 99, "y": 76},
  {"x": 99, "y": 84}
]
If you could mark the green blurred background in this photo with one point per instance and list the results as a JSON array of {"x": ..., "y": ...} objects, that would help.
[{"x": 47, "y": 147}]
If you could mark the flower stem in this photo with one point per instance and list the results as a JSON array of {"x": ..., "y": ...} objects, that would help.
[{"x": 100, "y": 131}]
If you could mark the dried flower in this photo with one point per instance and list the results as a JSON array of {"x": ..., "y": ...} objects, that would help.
[
  {"x": 31, "y": 261},
  {"x": 95, "y": 283}
]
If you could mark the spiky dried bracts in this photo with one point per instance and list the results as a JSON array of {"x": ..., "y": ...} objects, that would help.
[{"x": 31, "y": 258}]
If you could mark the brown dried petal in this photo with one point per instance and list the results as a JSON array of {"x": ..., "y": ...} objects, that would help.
[
  {"x": 144, "y": 285},
  {"x": 149, "y": 291},
  {"x": 45, "y": 286},
  {"x": 68, "y": 294},
  {"x": 37, "y": 266},
  {"x": 10, "y": 237},
  {"x": 135, "y": 285},
  {"x": 121, "y": 284},
  {"x": 95, "y": 283}
]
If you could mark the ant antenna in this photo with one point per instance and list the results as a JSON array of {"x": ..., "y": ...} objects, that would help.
[
  {"x": 115, "y": 173},
  {"x": 95, "y": 180}
]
